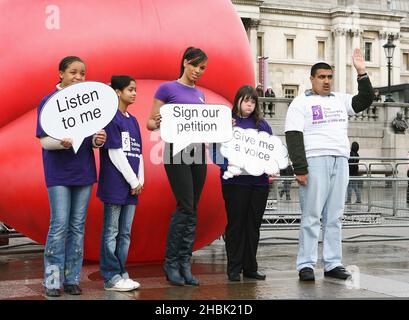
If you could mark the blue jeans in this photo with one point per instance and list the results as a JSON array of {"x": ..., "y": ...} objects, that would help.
[
  {"x": 116, "y": 238},
  {"x": 63, "y": 253},
  {"x": 323, "y": 196}
]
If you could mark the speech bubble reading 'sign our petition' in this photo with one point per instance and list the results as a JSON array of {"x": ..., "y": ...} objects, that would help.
[
  {"x": 183, "y": 124},
  {"x": 78, "y": 111}
]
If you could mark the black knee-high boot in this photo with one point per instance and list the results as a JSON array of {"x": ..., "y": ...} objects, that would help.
[
  {"x": 173, "y": 245},
  {"x": 186, "y": 248}
]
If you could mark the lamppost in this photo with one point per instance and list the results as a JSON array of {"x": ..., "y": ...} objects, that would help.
[{"x": 389, "y": 48}]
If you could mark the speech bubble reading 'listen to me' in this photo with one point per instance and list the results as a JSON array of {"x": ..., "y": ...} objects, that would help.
[
  {"x": 78, "y": 111},
  {"x": 183, "y": 124}
]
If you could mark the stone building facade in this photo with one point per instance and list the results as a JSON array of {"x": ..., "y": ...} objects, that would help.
[{"x": 292, "y": 35}]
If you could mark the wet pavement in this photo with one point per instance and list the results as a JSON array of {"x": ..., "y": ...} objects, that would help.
[{"x": 379, "y": 263}]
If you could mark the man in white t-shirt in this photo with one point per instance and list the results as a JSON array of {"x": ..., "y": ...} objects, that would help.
[{"x": 317, "y": 139}]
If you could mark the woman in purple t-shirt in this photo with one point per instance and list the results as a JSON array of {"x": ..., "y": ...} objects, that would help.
[
  {"x": 121, "y": 179},
  {"x": 186, "y": 171},
  {"x": 69, "y": 177},
  {"x": 245, "y": 196}
]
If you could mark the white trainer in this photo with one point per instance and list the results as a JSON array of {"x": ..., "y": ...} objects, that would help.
[
  {"x": 133, "y": 283},
  {"x": 121, "y": 285}
]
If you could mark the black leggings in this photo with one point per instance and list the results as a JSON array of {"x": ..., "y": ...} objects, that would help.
[
  {"x": 187, "y": 183},
  {"x": 245, "y": 206}
]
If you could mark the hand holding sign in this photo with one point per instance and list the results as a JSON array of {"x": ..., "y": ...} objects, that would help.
[
  {"x": 79, "y": 111},
  {"x": 66, "y": 143},
  {"x": 183, "y": 124},
  {"x": 100, "y": 137},
  {"x": 254, "y": 151}
]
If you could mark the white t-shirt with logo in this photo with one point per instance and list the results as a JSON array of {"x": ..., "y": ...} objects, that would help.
[{"x": 323, "y": 121}]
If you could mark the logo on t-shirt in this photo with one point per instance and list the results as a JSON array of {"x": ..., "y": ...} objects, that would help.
[
  {"x": 317, "y": 113},
  {"x": 126, "y": 143}
]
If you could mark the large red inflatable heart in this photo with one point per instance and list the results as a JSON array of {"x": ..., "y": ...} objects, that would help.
[{"x": 143, "y": 38}]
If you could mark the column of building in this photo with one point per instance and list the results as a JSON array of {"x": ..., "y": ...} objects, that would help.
[
  {"x": 340, "y": 59},
  {"x": 254, "y": 24},
  {"x": 356, "y": 35}
]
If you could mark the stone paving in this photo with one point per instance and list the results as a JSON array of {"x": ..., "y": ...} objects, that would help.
[{"x": 380, "y": 270}]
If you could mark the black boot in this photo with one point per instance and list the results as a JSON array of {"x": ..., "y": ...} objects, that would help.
[
  {"x": 186, "y": 272},
  {"x": 173, "y": 244},
  {"x": 186, "y": 248},
  {"x": 173, "y": 275}
]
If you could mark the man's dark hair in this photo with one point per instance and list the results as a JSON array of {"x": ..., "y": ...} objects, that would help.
[{"x": 319, "y": 65}]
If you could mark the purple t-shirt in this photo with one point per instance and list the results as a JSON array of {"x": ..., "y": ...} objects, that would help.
[
  {"x": 249, "y": 123},
  {"x": 64, "y": 167},
  {"x": 175, "y": 92},
  {"x": 122, "y": 133}
]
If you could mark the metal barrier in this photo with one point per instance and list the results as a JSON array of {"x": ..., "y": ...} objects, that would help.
[
  {"x": 24, "y": 246},
  {"x": 384, "y": 201}
]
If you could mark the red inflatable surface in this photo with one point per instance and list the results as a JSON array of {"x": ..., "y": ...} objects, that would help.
[{"x": 142, "y": 38}]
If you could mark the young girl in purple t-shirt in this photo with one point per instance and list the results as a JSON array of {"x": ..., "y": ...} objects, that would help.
[
  {"x": 69, "y": 178},
  {"x": 121, "y": 179},
  {"x": 245, "y": 196}
]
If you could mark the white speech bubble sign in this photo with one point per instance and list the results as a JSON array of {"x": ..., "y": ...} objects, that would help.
[
  {"x": 78, "y": 111},
  {"x": 256, "y": 152},
  {"x": 183, "y": 124}
]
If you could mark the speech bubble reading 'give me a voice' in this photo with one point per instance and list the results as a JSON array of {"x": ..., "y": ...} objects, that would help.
[
  {"x": 78, "y": 111},
  {"x": 256, "y": 152},
  {"x": 183, "y": 124}
]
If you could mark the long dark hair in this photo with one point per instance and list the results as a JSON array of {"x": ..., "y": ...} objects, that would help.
[
  {"x": 194, "y": 56},
  {"x": 244, "y": 92},
  {"x": 355, "y": 146}
]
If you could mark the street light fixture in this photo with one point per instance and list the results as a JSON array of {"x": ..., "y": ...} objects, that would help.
[{"x": 389, "y": 48}]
